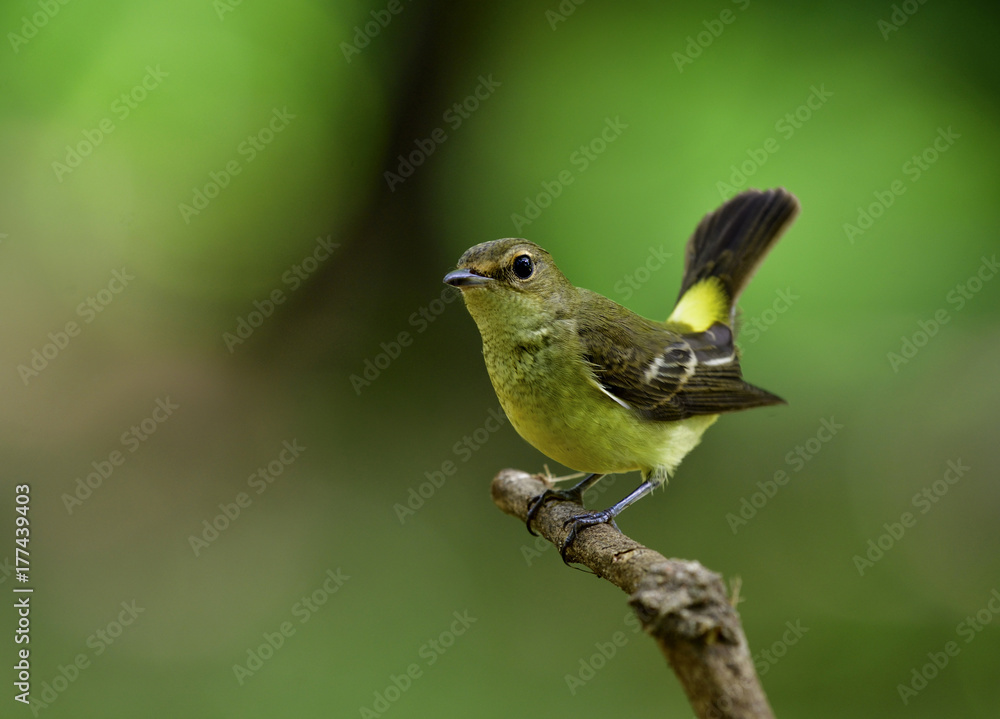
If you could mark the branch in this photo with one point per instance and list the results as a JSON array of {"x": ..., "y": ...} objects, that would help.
[{"x": 680, "y": 603}]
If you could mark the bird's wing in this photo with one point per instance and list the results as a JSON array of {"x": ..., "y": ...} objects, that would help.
[{"x": 662, "y": 374}]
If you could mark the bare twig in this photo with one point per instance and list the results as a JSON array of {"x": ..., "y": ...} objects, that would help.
[{"x": 680, "y": 603}]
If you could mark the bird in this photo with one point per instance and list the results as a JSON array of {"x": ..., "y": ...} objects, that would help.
[{"x": 601, "y": 389}]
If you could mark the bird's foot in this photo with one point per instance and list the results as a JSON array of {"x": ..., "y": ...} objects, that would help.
[
  {"x": 582, "y": 521},
  {"x": 573, "y": 494}
]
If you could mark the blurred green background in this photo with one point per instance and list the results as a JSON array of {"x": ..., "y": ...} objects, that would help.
[{"x": 214, "y": 215}]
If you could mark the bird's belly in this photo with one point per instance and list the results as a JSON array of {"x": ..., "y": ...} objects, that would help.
[{"x": 564, "y": 415}]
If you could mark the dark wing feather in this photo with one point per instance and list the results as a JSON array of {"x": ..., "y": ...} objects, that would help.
[{"x": 659, "y": 373}]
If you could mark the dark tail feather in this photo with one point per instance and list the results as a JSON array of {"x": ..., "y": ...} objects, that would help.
[{"x": 731, "y": 242}]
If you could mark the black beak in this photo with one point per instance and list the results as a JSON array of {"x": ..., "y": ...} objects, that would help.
[{"x": 466, "y": 278}]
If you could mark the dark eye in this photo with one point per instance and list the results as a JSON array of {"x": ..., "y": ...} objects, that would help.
[{"x": 523, "y": 266}]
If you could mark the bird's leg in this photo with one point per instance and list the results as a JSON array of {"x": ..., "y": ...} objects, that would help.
[
  {"x": 573, "y": 494},
  {"x": 581, "y": 521}
]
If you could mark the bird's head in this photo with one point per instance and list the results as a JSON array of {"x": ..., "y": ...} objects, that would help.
[{"x": 510, "y": 281}]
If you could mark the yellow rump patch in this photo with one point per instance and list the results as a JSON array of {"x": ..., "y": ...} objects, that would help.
[{"x": 704, "y": 304}]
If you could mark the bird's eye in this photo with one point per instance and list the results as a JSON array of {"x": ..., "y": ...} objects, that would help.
[{"x": 523, "y": 266}]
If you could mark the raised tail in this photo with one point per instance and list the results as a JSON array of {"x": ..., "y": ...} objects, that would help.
[{"x": 725, "y": 251}]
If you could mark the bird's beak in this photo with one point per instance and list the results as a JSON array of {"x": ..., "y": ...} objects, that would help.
[{"x": 466, "y": 278}]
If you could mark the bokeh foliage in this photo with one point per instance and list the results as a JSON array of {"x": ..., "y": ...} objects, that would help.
[{"x": 864, "y": 100}]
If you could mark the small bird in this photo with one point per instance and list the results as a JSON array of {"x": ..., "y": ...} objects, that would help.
[{"x": 601, "y": 389}]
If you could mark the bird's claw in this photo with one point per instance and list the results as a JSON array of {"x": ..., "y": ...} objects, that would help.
[
  {"x": 582, "y": 521},
  {"x": 537, "y": 502}
]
